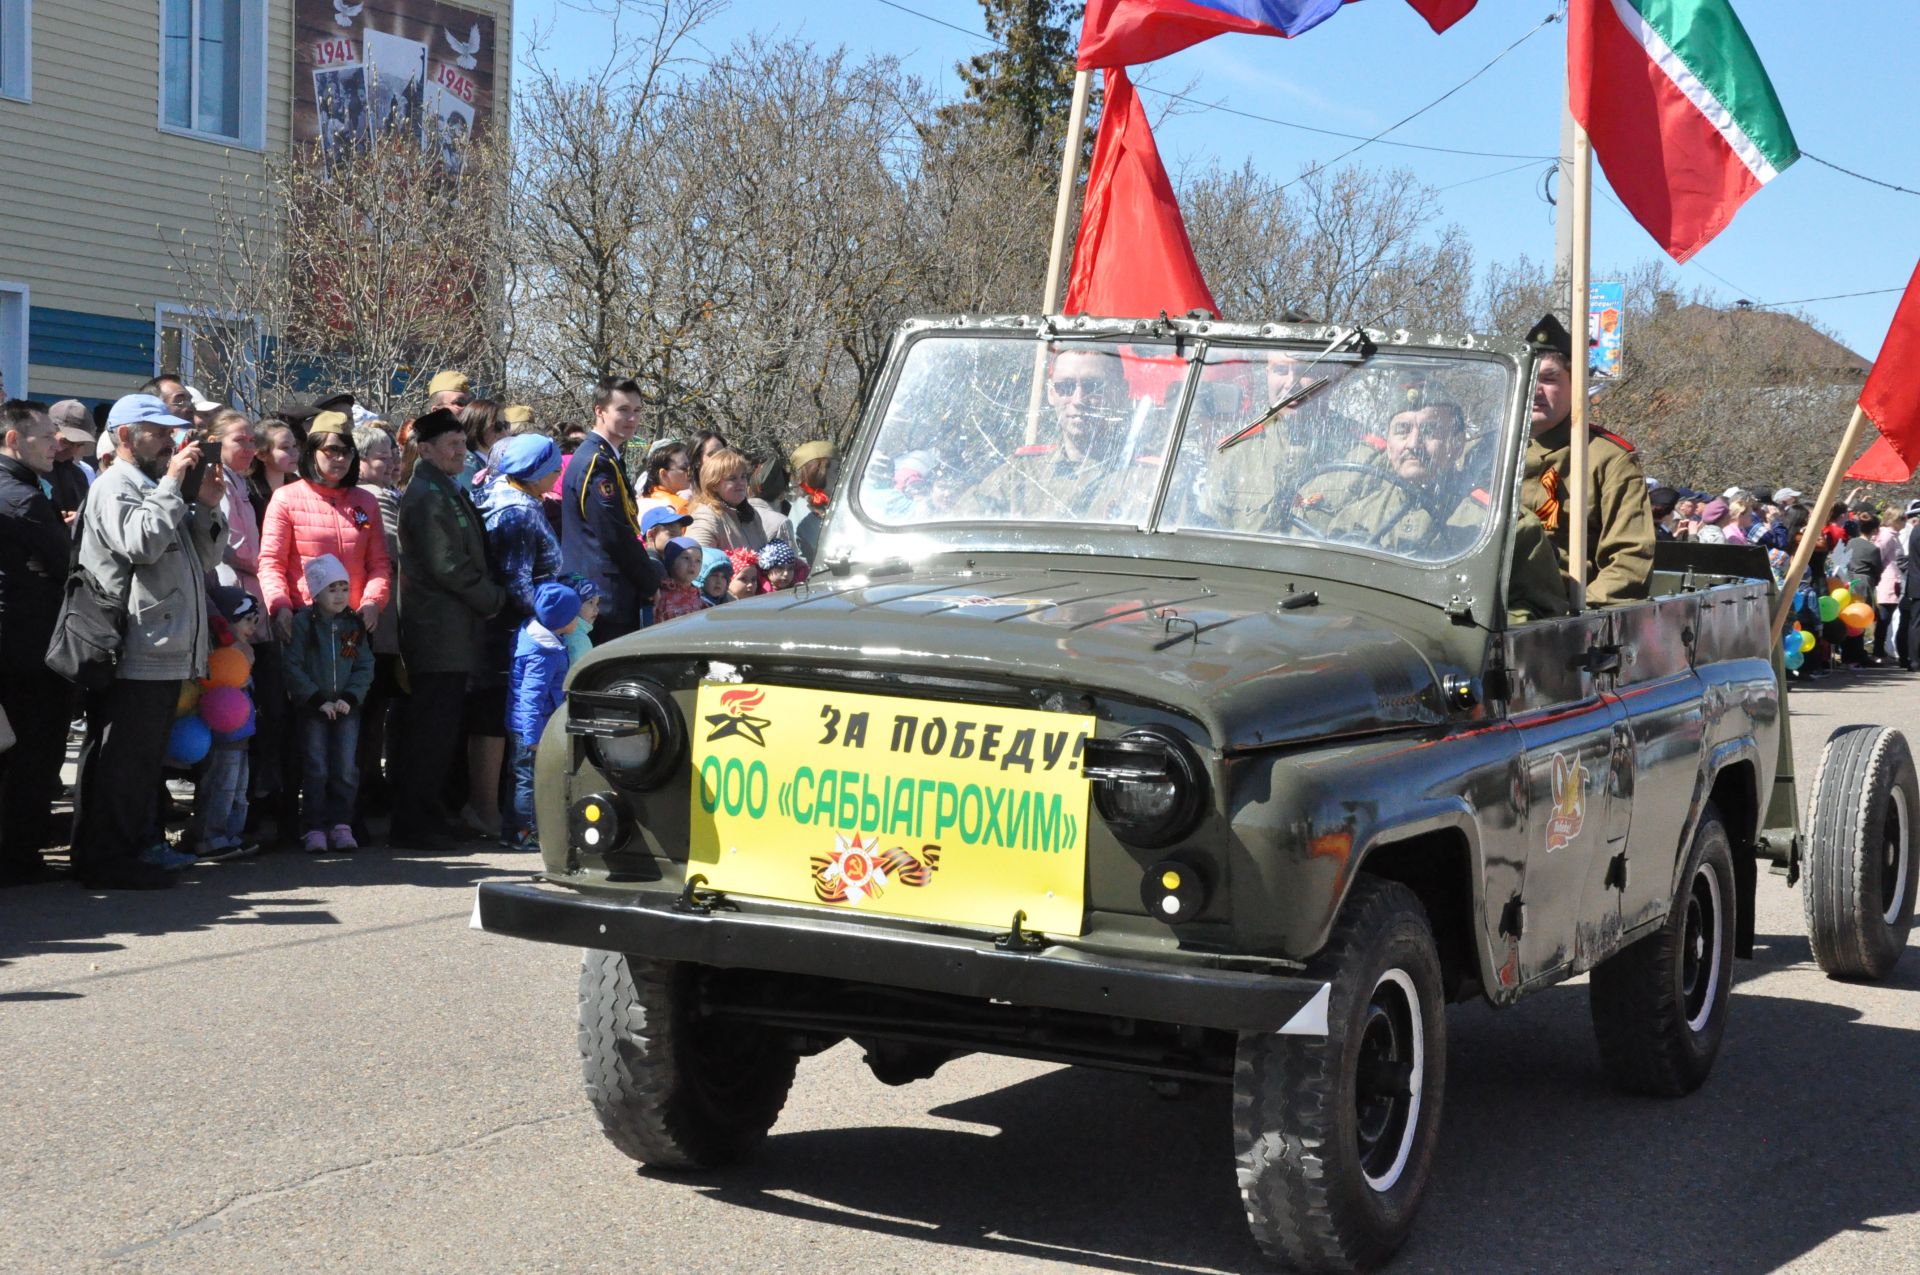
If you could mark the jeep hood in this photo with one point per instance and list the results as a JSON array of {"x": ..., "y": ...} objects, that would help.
[{"x": 1251, "y": 674}]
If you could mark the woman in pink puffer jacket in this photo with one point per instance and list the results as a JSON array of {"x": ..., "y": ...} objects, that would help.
[{"x": 325, "y": 513}]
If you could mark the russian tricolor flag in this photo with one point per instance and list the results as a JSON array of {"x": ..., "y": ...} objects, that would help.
[{"x": 1129, "y": 32}]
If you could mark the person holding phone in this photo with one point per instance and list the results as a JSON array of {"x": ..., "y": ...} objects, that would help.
[{"x": 150, "y": 534}]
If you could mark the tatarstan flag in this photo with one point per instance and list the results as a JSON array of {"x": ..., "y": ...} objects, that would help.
[
  {"x": 1681, "y": 113},
  {"x": 1129, "y": 32}
]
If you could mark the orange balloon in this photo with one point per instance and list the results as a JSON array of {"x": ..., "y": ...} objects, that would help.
[
  {"x": 1857, "y": 616},
  {"x": 227, "y": 667}
]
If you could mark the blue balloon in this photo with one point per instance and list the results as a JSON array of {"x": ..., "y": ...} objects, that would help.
[
  {"x": 189, "y": 741},
  {"x": 1795, "y": 659}
]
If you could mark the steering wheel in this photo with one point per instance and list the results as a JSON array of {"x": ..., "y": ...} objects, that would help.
[{"x": 1291, "y": 511}]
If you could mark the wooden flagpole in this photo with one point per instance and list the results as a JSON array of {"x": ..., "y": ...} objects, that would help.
[
  {"x": 1057, "y": 251},
  {"x": 1836, "y": 474},
  {"x": 1581, "y": 288}
]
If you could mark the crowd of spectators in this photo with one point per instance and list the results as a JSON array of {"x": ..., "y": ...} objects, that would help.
[
  {"x": 1860, "y": 547},
  {"x": 288, "y": 610}
]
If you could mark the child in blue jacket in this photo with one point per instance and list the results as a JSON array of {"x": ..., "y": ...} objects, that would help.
[{"x": 539, "y": 676}]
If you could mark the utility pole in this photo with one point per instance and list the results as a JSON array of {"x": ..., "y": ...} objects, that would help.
[{"x": 1563, "y": 229}]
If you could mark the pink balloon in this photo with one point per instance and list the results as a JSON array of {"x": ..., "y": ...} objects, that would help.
[{"x": 224, "y": 709}]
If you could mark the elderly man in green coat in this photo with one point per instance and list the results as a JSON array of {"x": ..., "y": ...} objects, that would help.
[{"x": 446, "y": 593}]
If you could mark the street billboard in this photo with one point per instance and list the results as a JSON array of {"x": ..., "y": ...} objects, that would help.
[
  {"x": 1606, "y": 314},
  {"x": 418, "y": 69}
]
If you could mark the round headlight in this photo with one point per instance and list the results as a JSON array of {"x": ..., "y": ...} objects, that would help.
[
  {"x": 634, "y": 733},
  {"x": 1147, "y": 785}
]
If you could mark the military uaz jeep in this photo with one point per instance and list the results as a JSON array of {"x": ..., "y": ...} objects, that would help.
[{"x": 1163, "y": 699}]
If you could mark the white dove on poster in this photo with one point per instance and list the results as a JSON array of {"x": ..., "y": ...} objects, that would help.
[
  {"x": 465, "y": 48},
  {"x": 345, "y": 13}
]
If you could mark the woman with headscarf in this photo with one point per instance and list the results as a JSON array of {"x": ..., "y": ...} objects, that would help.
[
  {"x": 810, "y": 464},
  {"x": 524, "y": 554}
]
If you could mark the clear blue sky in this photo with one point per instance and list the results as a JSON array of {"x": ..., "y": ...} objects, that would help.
[{"x": 1838, "y": 67}]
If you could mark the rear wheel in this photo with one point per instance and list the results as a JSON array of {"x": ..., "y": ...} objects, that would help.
[
  {"x": 1860, "y": 852},
  {"x": 1334, "y": 1136},
  {"x": 673, "y": 1089},
  {"x": 1660, "y": 1005}
]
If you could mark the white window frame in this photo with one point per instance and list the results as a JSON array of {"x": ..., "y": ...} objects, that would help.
[
  {"x": 16, "y": 38},
  {"x": 22, "y": 295},
  {"x": 172, "y": 314},
  {"x": 253, "y": 77}
]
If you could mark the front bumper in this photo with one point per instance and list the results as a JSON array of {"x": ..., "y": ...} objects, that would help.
[{"x": 1055, "y": 977}]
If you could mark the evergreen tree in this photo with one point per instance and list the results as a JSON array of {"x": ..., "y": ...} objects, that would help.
[{"x": 1026, "y": 84}]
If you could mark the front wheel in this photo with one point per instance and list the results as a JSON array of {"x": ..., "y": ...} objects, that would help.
[
  {"x": 672, "y": 1088},
  {"x": 1334, "y": 1136},
  {"x": 1660, "y": 1005}
]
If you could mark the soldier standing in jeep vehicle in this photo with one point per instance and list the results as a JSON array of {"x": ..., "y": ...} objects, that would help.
[{"x": 1619, "y": 516}]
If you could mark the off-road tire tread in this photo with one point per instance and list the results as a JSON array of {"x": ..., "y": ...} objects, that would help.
[
  {"x": 629, "y": 1039},
  {"x": 1289, "y": 1193},
  {"x": 1639, "y": 1022},
  {"x": 1846, "y": 922}
]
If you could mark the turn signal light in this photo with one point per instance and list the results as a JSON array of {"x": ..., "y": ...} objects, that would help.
[
  {"x": 1174, "y": 890},
  {"x": 597, "y": 822}
]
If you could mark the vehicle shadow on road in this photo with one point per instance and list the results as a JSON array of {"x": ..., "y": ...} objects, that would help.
[
  {"x": 1802, "y": 1135},
  {"x": 276, "y": 890}
]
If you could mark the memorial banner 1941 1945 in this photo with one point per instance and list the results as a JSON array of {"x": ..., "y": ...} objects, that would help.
[
  {"x": 930, "y": 809},
  {"x": 416, "y": 69}
]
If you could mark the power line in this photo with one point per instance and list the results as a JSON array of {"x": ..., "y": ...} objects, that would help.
[
  {"x": 1204, "y": 105},
  {"x": 1486, "y": 176},
  {"x": 1872, "y": 181},
  {"x": 1539, "y": 26},
  {"x": 1837, "y": 296}
]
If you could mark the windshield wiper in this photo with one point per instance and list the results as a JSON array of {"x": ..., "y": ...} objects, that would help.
[{"x": 1354, "y": 337}]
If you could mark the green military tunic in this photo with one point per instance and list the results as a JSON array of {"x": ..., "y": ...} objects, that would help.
[
  {"x": 1042, "y": 483},
  {"x": 1619, "y": 515}
]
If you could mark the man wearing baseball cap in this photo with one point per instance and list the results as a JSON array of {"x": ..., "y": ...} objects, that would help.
[
  {"x": 71, "y": 476},
  {"x": 146, "y": 543}
]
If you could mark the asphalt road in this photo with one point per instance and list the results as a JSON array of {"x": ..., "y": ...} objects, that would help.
[{"x": 300, "y": 1064}]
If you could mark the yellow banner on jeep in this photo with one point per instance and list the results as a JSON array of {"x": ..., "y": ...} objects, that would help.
[{"x": 915, "y": 808}]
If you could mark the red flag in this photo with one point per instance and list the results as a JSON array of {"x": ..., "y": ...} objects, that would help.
[
  {"x": 1881, "y": 464},
  {"x": 1891, "y": 396},
  {"x": 1128, "y": 32},
  {"x": 1133, "y": 258}
]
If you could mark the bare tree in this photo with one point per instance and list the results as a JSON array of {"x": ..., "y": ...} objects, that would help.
[
  {"x": 1354, "y": 246},
  {"x": 367, "y": 272}
]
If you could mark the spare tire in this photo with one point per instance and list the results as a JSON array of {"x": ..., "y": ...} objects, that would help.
[{"x": 1860, "y": 876}]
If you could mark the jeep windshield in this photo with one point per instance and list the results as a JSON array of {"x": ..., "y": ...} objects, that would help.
[{"x": 1393, "y": 452}]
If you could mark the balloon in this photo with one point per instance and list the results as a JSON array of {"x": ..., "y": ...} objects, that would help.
[
  {"x": 227, "y": 667},
  {"x": 189, "y": 699},
  {"x": 1829, "y": 610},
  {"x": 188, "y": 742},
  {"x": 1858, "y": 615},
  {"x": 1843, "y": 595},
  {"x": 1795, "y": 659},
  {"x": 224, "y": 709},
  {"x": 1808, "y": 641}
]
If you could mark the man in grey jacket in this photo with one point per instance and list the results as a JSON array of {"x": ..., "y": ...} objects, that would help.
[{"x": 149, "y": 542}]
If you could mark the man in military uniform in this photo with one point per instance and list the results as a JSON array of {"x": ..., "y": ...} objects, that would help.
[
  {"x": 1243, "y": 482},
  {"x": 1080, "y": 475},
  {"x": 599, "y": 529},
  {"x": 1619, "y": 516}
]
